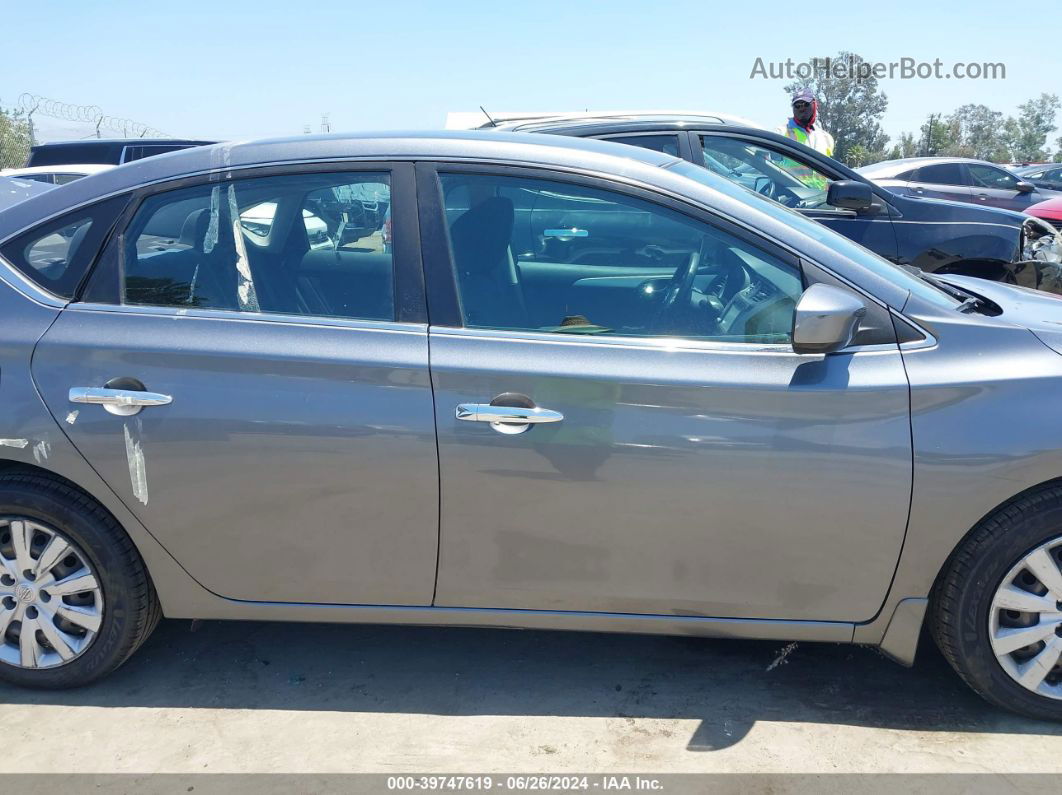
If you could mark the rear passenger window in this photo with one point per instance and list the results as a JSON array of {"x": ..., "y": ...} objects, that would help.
[
  {"x": 56, "y": 255},
  {"x": 668, "y": 144},
  {"x": 941, "y": 174},
  {"x": 306, "y": 244}
]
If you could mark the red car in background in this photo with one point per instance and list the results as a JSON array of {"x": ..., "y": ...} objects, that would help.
[{"x": 1050, "y": 211}]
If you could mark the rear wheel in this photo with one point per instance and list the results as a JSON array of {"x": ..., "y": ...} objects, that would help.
[
  {"x": 997, "y": 608},
  {"x": 75, "y": 598}
]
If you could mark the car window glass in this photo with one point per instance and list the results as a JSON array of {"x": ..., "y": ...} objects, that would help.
[
  {"x": 771, "y": 173},
  {"x": 941, "y": 174},
  {"x": 668, "y": 144},
  {"x": 534, "y": 254},
  {"x": 864, "y": 257},
  {"x": 791, "y": 182},
  {"x": 50, "y": 253},
  {"x": 57, "y": 254},
  {"x": 47, "y": 179},
  {"x": 303, "y": 244},
  {"x": 988, "y": 177}
]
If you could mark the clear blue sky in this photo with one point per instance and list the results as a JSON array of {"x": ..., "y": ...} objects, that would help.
[{"x": 249, "y": 68}]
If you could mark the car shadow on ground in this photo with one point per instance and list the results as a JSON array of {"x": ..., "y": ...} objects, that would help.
[{"x": 728, "y": 685}]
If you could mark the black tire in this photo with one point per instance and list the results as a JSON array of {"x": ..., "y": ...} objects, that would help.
[
  {"x": 963, "y": 594},
  {"x": 131, "y": 607}
]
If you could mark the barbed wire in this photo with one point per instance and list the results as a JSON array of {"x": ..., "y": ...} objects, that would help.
[{"x": 86, "y": 114}]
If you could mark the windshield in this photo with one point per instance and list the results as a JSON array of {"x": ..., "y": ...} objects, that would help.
[{"x": 839, "y": 243}]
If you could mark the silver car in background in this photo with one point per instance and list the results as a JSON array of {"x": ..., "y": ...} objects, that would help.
[{"x": 574, "y": 385}]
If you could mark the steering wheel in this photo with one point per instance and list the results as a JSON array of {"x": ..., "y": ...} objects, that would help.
[
  {"x": 677, "y": 300},
  {"x": 765, "y": 186},
  {"x": 681, "y": 286}
]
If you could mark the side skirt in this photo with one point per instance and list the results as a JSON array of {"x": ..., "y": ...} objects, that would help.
[{"x": 761, "y": 629}]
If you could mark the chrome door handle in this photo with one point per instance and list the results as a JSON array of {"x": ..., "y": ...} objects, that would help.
[
  {"x": 123, "y": 402},
  {"x": 506, "y": 419}
]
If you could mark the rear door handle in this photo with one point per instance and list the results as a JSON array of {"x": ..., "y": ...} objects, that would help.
[
  {"x": 123, "y": 402},
  {"x": 507, "y": 419}
]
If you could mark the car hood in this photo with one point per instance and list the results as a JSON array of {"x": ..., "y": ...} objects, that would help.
[{"x": 1036, "y": 310}]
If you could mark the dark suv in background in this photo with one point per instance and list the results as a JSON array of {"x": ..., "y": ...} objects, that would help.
[
  {"x": 935, "y": 236},
  {"x": 107, "y": 151}
]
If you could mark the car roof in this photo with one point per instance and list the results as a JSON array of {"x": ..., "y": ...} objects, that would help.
[
  {"x": 525, "y": 120},
  {"x": 546, "y": 150},
  {"x": 631, "y": 121}
]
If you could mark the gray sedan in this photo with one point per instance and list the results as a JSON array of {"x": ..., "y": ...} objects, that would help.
[
  {"x": 958, "y": 179},
  {"x": 581, "y": 386}
]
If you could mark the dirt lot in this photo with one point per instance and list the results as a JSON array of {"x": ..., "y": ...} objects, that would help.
[{"x": 241, "y": 697}]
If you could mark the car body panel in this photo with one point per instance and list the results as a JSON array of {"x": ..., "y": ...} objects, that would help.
[
  {"x": 1050, "y": 211},
  {"x": 680, "y": 480},
  {"x": 980, "y": 431},
  {"x": 302, "y": 473}
]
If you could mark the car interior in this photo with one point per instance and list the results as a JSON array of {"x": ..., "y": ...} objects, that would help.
[
  {"x": 308, "y": 249},
  {"x": 543, "y": 256}
]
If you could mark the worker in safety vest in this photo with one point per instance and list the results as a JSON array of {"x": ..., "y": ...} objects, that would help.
[{"x": 804, "y": 127}]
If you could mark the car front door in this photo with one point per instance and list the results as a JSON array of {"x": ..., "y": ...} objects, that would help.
[
  {"x": 671, "y": 454},
  {"x": 793, "y": 180},
  {"x": 252, "y": 382},
  {"x": 996, "y": 187}
]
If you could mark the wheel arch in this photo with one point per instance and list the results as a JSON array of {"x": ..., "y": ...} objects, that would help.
[
  {"x": 178, "y": 592},
  {"x": 907, "y": 614}
]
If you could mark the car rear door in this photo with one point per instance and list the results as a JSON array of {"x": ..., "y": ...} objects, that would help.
[
  {"x": 253, "y": 384},
  {"x": 670, "y": 455},
  {"x": 941, "y": 181}
]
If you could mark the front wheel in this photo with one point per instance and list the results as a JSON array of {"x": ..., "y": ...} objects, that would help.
[
  {"x": 75, "y": 598},
  {"x": 997, "y": 607}
]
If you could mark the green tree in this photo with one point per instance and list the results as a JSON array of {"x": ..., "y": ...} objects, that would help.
[
  {"x": 1058, "y": 154},
  {"x": 935, "y": 136},
  {"x": 16, "y": 138},
  {"x": 977, "y": 131},
  {"x": 850, "y": 108},
  {"x": 905, "y": 147},
  {"x": 1027, "y": 134}
]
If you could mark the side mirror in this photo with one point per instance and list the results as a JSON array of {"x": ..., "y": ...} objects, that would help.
[
  {"x": 1025, "y": 187},
  {"x": 849, "y": 194},
  {"x": 825, "y": 319}
]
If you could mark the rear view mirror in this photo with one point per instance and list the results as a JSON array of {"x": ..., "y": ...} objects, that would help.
[
  {"x": 850, "y": 194},
  {"x": 1025, "y": 187},
  {"x": 825, "y": 319}
]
